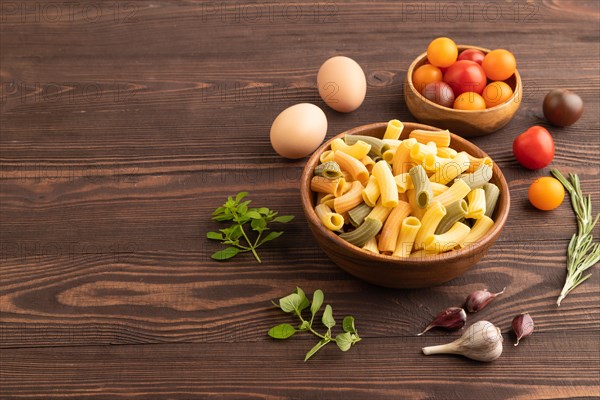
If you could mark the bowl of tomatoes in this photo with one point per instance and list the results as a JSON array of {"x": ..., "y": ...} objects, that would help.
[{"x": 470, "y": 90}]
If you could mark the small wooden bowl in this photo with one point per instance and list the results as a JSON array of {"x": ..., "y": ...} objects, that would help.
[
  {"x": 391, "y": 271},
  {"x": 466, "y": 123}
]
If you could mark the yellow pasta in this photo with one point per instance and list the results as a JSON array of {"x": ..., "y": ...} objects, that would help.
[
  {"x": 357, "y": 170},
  {"x": 349, "y": 200},
  {"x": 476, "y": 162},
  {"x": 479, "y": 229},
  {"x": 408, "y": 232},
  {"x": 393, "y": 130},
  {"x": 449, "y": 240},
  {"x": 420, "y": 150},
  {"x": 326, "y": 156},
  {"x": 446, "y": 152},
  {"x": 326, "y": 199},
  {"x": 412, "y": 200},
  {"x": 320, "y": 184},
  {"x": 388, "y": 155},
  {"x": 358, "y": 150},
  {"x": 368, "y": 163},
  {"x": 391, "y": 228},
  {"x": 403, "y": 182},
  {"x": 476, "y": 208},
  {"x": 429, "y": 223},
  {"x": 452, "y": 169},
  {"x": 371, "y": 245},
  {"x": 392, "y": 143},
  {"x": 387, "y": 184},
  {"x": 371, "y": 192},
  {"x": 401, "y": 162},
  {"x": 456, "y": 192},
  {"x": 347, "y": 177},
  {"x": 432, "y": 162},
  {"x": 379, "y": 213},
  {"x": 438, "y": 188},
  {"x": 331, "y": 220},
  {"x": 440, "y": 138}
]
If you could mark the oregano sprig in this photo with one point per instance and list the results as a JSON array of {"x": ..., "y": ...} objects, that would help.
[
  {"x": 236, "y": 210},
  {"x": 297, "y": 302}
]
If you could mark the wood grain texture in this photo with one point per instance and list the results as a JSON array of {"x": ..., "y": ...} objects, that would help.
[{"x": 121, "y": 131}]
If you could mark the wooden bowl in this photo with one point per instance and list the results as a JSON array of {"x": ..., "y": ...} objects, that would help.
[
  {"x": 466, "y": 123},
  {"x": 391, "y": 271}
]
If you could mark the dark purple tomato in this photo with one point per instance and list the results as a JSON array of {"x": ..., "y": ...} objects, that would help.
[
  {"x": 562, "y": 107},
  {"x": 472, "y": 55},
  {"x": 440, "y": 93}
]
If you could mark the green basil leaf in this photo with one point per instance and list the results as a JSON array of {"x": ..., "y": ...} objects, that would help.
[
  {"x": 282, "y": 331},
  {"x": 284, "y": 219},
  {"x": 316, "y": 348},
  {"x": 317, "y": 301},
  {"x": 223, "y": 217},
  {"x": 344, "y": 341},
  {"x": 304, "y": 326},
  {"x": 214, "y": 235},
  {"x": 240, "y": 196},
  {"x": 290, "y": 303},
  {"x": 328, "y": 320},
  {"x": 271, "y": 236},
  {"x": 218, "y": 211},
  {"x": 236, "y": 232},
  {"x": 348, "y": 324},
  {"x": 225, "y": 253},
  {"x": 253, "y": 214},
  {"x": 304, "y": 303},
  {"x": 264, "y": 211},
  {"x": 242, "y": 209},
  {"x": 258, "y": 225}
]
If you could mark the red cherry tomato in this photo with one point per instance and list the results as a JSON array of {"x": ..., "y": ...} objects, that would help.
[
  {"x": 534, "y": 148},
  {"x": 472, "y": 55},
  {"x": 465, "y": 76}
]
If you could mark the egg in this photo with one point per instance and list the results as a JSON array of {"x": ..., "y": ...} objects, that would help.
[
  {"x": 298, "y": 130},
  {"x": 342, "y": 84}
]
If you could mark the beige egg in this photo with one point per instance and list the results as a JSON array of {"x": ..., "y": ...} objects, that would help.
[
  {"x": 342, "y": 84},
  {"x": 298, "y": 130}
]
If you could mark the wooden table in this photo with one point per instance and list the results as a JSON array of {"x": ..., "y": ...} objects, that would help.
[{"x": 124, "y": 124}]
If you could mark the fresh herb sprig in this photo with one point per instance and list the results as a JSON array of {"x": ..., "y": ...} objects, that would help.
[
  {"x": 582, "y": 253},
  {"x": 236, "y": 210},
  {"x": 296, "y": 303}
]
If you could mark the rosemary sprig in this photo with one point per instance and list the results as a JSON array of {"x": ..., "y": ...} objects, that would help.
[{"x": 582, "y": 253}]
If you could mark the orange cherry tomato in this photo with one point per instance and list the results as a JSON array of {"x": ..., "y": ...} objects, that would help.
[
  {"x": 496, "y": 93},
  {"x": 469, "y": 101},
  {"x": 546, "y": 193},
  {"x": 442, "y": 52},
  {"x": 499, "y": 64},
  {"x": 425, "y": 75}
]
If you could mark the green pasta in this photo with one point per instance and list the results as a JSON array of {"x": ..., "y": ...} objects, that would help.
[
  {"x": 491, "y": 198},
  {"x": 423, "y": 192},
  {"x": 329, "y": 170},
  {"x": 363, "y": 233},
  {"x": 455, "y": 212},
  {"x": 478, "y": 178},
  {"x": 378, "y": 146},
  {"x": 358, "y": 214}
]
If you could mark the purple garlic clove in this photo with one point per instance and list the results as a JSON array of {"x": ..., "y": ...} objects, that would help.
[
  {"x": 451, "y": 319},
  {"x": 479, "y": 299},
  {"x": 522, "y": 325}
]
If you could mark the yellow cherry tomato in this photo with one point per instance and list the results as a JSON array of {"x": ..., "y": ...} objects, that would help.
[
  {"x": 546, "y": 193},
  {"x": 496, "y": 93},
  {"x": 499, "y": 64},
  {"x": 425, "y": 75},
  {"x": 469, "y": 101},
  {"x": 442, "y": 52}
]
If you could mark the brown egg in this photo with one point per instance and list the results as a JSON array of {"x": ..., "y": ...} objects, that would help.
[
  {"x": 342, "y": 84},
  {"x": 298, "y": 130}
]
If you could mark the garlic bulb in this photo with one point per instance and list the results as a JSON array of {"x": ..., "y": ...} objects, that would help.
[{"x": 481, "y": 342}]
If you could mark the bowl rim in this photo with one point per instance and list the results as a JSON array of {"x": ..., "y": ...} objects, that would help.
[
  {"x": 454, "y": 255},
  {"x": 461, "y": 47}
]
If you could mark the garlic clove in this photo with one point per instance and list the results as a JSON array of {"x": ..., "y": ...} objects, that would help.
[
  {"x": 522, "y": 325},
  {"x": 479, "y": 299},
  {"x": 451, "y": 319},
  {"x": 481, "y": 342}
]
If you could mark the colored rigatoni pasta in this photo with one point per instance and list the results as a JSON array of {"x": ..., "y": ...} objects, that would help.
[
  {"x": 371, "y": 192},
  {"x": 429, "y": 223},
  {"x": 454, "y": 213},
  {"x": 357, "y": 170},
  {"x": 408, "y": 232},
  {"x": 450, "y": 170},
  {"x": 387, "y": 184},
  {"x": 368, "y": 163},
  {"x": 479, "y": 229},
  {"x": 358, "y": 150},
  {"x": 332, "y": 221},
  {"x": 402, "y": 162},
  {"x": 446, "y": 152},
  {"x": 328, "y": 186},
  {"x": 437, "y": 188},
  {"x": 403, "y": 182},
  {"x": 449, "y": 240},
  {"x": 377, "y": 145},
  {"x": 420, "y": 181},
  {"x": 457, "y": 191},
  {"x": 380, "y": 213},
  {"x": 363, "y": 233},
  {"x": 371, "y": 246},
  {"x": 440, "y": 138},
  {"x": 491, "y": 198},
  {"x": 420, "y": 150},
  {"x": 329, "y": 170},
  {"x": 476, "y": 162},
  {"x": 326, "y": 156},
  {"x": 393, "y": 130},
  {"x": 391, "y": 228},
  {"x": 476, "y": 198},
  {"x": 350, "y": 199},
  {"x": 478, "y": 178},
  {"x": 358, "y": 214}
]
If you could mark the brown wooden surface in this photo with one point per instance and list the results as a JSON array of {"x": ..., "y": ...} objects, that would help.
[{"x": 121, "y": 132}]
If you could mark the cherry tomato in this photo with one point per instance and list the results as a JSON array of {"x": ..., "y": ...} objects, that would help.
[
  {"x": 496, "y": 93},
  {"x": 562, "y": 107},
  {"x": 469, "y": 101},
  {"x": 499, "y": 64},
  {"x": 424, "y": 75},
  {"x": 465, "y": 76},
  {"x": 472, "y": 55},
  {"x": 442, "y": 52},
  {"x": 534, "y": 148},
  {"x": 440, "y": 93},
  {"x": 546, "y": 193}
]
